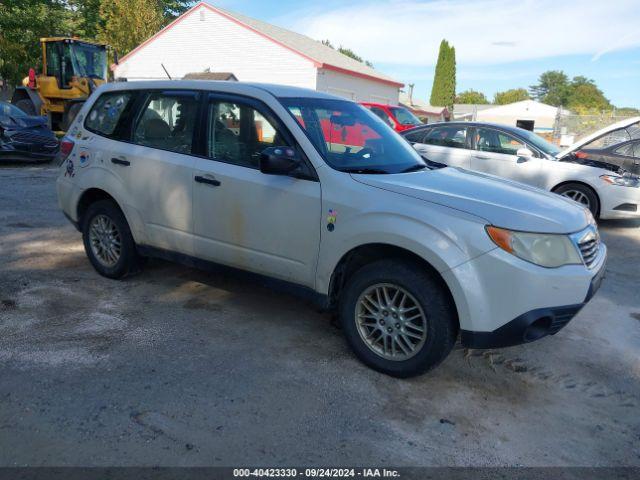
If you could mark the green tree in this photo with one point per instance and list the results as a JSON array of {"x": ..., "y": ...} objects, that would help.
[
  {"x": 84, "y": 18},
  {"x": 471, "y": 97},
  {"x": 511, "y": 96},
  {"x": 22, "y": 24},
  {"x": 552, "y": 88},
  {"x": 174, "y": 8},
  {"x": 123, "y": 30},
  {"x": 443, "y": 92},
  {"x": 585, "y": 97}
]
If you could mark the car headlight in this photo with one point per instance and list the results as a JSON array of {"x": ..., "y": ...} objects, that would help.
[
  {"x": 623, "y": 181},
  {"x": 544, "y": 249}
]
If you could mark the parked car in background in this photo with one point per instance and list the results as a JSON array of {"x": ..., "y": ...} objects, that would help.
[
  {"x": 614, "y": 147},
  {"x": 398, "y": 118},
  {"x": 25, "y": 137},
  {"x": 608, "y": 190},
  {"x": 250, "y": 176}
]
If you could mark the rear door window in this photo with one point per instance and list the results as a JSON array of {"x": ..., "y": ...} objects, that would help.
[
  {"x": 107, "y": 111},
  {"x": 452, "y": 136},
  {"x": 417, "y": 136},
  {"x": 167, "y": 121}
]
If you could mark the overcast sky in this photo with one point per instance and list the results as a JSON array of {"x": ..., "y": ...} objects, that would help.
[{"x": 499, "y": 44}]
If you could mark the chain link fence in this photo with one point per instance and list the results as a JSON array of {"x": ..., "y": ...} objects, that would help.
[{"x": 570, "y": 128}]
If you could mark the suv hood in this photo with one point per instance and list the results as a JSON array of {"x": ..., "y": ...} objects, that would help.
[
  {"x": 600, "y": 133},
  {"x": 502, "y": 203}
]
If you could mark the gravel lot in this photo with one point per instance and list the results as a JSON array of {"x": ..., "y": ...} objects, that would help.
[{"x": 181, "y": 367}]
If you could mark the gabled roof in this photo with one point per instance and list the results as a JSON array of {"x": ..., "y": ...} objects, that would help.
[{"x": 321, "y": 55}]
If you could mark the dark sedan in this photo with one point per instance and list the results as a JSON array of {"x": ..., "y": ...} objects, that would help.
[
  {"x": 625, "y": 155},
  {"x": 24, "y": 137}
]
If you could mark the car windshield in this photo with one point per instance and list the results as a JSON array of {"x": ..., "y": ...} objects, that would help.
[
  {"x": 8, "y": 110},
  {"x": 352, "y": 139},
  {"x": 404, "y": 116},
  {"x": 539, "y": 142}
]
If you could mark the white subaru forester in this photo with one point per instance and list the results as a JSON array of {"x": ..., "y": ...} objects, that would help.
[{"x": 315, "y": 191}]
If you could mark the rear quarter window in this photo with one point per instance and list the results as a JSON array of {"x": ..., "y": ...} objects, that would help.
[{"x": 106, "y": 112}]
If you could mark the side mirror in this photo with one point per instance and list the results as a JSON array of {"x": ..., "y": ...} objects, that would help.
[
  {"x": 524, "y": 154},
  {"x": 279, "y": 161}
]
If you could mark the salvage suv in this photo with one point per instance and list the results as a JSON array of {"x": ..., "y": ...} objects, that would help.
[{"x": 262, "y": 178}]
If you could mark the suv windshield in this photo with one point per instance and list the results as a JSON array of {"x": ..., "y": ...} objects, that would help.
[
  {"x": 539, "y": 142},
  {"x": 404, "y": 116},
  {"x": 352, "y": 139}
]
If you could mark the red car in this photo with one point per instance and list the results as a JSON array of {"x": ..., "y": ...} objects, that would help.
[{"x": 398, "y": 118}]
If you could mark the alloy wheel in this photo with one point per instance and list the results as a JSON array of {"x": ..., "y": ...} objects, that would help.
[
  {"x": 577, "y": 196},
  {"x": 105, "y": 240},
  {"x": 391, "y": 322}
]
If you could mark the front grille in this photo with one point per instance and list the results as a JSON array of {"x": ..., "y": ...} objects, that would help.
[
  {"x": 559, "y": 322},
  {"x": 589, "y": 245},
  {"x": 28, "y": 137}
]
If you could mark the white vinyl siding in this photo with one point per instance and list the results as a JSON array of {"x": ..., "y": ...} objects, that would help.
[
  {"x": 204, "y": 39},
  {"x": 364, "y": 90},
  {"x": 207, "y": 40}
]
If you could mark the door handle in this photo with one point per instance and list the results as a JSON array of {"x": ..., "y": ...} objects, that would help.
[
  {"x": 207, "y": 180},
  {"x": 121, "y": 161},
  {"x": 484, "y": 157}
]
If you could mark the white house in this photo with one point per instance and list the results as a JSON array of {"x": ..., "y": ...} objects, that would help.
[
  {"x": 527, "y": 114},
  {"x": 208, "y": 38}
]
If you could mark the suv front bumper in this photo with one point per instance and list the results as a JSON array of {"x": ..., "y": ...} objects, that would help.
[{"x": 533, "y": 324}]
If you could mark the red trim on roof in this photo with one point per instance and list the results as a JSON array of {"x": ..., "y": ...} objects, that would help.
[
  {"x": 361, "y": 75},
  {"x": 156, "y": 35},
  {"x": 263, "y": 35},
  {"x": 315, "y": 62}
]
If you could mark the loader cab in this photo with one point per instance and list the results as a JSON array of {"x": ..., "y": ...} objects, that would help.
[
  {"x": 69, "y": 60},
  {"x": 71, "y": 70}
]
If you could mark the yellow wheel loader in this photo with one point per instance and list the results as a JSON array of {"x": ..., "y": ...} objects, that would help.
[{"x": 71, "y": 70}]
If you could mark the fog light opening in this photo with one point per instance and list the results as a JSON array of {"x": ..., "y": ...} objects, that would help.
[{"x": 537, "y": 329}]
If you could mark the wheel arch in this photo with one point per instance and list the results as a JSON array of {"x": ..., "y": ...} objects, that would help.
[
  {"x": 364, "y": 254},
  {"x": 582, "y": 183},
  {"x": 90, "y": 196}
]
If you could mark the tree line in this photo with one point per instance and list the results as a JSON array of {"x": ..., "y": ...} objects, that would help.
[
  {"x": 578, "y": 94},
  {"x": 123, "y": 24}
]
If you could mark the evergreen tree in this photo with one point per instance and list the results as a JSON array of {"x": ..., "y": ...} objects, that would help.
[{"x": 443, "y": 92}]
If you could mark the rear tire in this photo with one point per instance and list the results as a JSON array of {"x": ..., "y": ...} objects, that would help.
[
  {"x": 108, "y": 241},
  {"x": 364, "y": 329},
  {"x": 582, "y": 194},
  {"x": 26, "y": 106}
]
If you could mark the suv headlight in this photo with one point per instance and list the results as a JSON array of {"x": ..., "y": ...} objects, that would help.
[
  {"x": 544, "y": 249},
  {"x": 623, "y": 181}
]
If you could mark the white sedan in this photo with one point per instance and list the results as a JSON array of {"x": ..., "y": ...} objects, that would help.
[{"x": 514, "y": 153}]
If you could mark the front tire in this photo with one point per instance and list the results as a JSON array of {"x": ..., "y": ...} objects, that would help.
[
  {"x": 582, "y": 194},
  {"x": 108, "y": 241},
  {"x": 397, "y": 318}
]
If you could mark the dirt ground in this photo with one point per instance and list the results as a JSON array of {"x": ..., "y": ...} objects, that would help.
[{"x": 182, "y": 367}]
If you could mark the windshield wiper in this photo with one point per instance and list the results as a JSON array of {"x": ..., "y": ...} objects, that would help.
[
  {"x": 414, "y": 168},
  {"x": 364, "y": 170}
]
